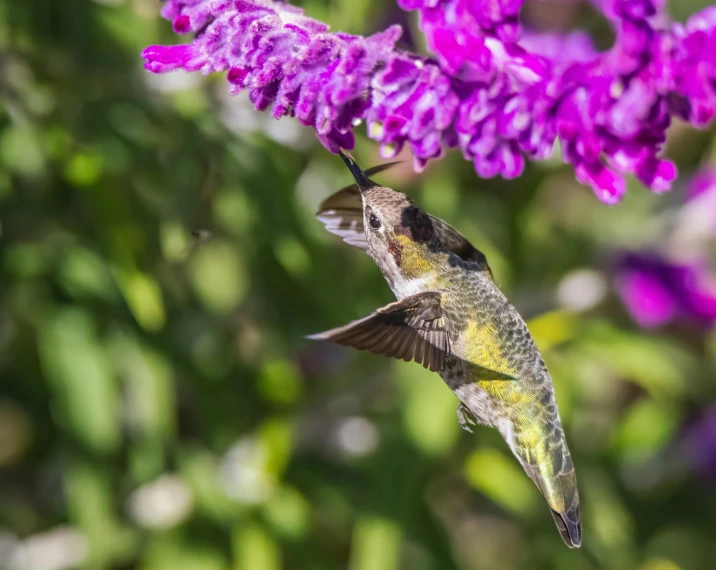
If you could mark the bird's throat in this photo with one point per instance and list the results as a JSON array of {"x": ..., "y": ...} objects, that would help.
[{"x": 407, "y": 269}]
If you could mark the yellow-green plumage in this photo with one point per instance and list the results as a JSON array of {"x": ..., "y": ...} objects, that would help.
[{"x": 453, "y": 319}]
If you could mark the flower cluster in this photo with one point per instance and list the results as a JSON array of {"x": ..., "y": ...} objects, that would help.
[
  {"x": 331, "y": 81},
  {"x": 499, "y": 94}
]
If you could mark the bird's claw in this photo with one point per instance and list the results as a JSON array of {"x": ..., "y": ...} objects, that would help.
[{"x": 465, "y": 417}]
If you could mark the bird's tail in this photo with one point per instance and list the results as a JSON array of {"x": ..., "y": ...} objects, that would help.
[
  {"x": 569, "y": 526},
  {"x": 557, "y": 481}
]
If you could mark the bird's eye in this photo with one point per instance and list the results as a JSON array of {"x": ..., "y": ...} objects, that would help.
[{"x": 374, "y": 222}]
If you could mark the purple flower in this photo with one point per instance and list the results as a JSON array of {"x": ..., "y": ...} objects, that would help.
[
  {"x": 656, "y": 291},
  {"x": 700, "y": 443},
  {"x": 703, "y": 184},
  {"x": 560, "y": 49},
  {"x": 695, "y": 76},
  {"x": 329, "y": 81},
  {"x": 467, "y": 19},
  {"x": 500, "y": 97}
]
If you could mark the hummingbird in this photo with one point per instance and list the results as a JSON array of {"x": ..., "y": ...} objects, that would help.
[{"x": 451, "y": 317}]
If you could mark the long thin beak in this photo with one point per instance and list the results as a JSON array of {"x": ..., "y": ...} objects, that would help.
[{"x": 364, "y": 183}]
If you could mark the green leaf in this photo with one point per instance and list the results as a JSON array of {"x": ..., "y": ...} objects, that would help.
[
  {"x": 84, "y": 169},
  {"x": 429, "y": 409},
  {"x": 292, "y": 255},
  {"x": 659, "y": 366},
  {"x": 375, "y": 544},
  {"x": 177, "y": 552},
  {"x": 553, "y": 328},
  {"x": 81, "y": 378},
  {"x": 254, "y": 548},
  {"x": 83, "y": 273},
  {"x": 21, "y": 150},
  {"x": 280, "y": 382},
  {"x": 218, "y": 276},
  {"x": 88, "y": 492},
  {"x": 143, "y": 296},
  {"x": 609, "y": 519},
  {"x": 645, "y": 428},
  {"x": 276, "y": 436},
  {"x": 149, "y": 401},
  {"x": 288, "y": 512},
  {"x": 502, "y": 480}
]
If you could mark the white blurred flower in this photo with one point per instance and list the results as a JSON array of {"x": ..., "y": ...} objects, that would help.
[
  {"x": 163, "y": 503},
  {"x": 172, "y": 82},
  {"x": 694, "y": 227},
  {"x": 357, "y": 436},
  {"x": 581, "y": 290},
  {"x": 244, "y": 474},
  {"x": 8, "y": 545},
  {"x": 239, "y": 115},
  {"x": 61, "y": 548}
]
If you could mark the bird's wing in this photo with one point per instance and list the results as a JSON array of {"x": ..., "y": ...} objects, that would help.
[
  {"x": 342, "y": 214},
  {"x": 459, "y": 244},
  {"x": 413, "y": 328}
]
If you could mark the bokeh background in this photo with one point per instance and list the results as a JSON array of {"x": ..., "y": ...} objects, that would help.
[{"x": 160, "y": 265}]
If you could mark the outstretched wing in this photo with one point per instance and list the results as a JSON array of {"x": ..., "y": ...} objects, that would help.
[
  {"x": 342, "y": 214},
  {"x": 413, "y": 328}
]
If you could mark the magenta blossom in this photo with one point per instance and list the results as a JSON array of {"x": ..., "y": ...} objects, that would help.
[
  {"x": 703, "y": 185},
  {"x": 677, "y": 281},
  {"x": 500, "y": 95},
  {"x": 657, "y": 291}
]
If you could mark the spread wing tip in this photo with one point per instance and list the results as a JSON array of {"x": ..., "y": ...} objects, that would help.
[{"x": 317, "y": 336}]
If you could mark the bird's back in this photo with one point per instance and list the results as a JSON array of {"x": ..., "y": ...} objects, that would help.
[{"x": 501, "y": 377}]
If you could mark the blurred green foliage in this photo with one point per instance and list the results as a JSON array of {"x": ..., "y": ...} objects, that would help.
[{"x": 160, "y": 409}]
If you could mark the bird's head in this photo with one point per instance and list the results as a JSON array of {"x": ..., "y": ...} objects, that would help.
[{"x": 401, "y": 236}]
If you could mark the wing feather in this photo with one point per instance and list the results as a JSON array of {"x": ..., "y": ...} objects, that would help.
[{"x": 413, "y": 328}]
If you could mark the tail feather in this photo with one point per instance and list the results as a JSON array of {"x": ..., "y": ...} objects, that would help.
[
  {"x": 540, "y": 446},
  {"x": 569, "y": 527},
  {"x": 561, "y": 494}
]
